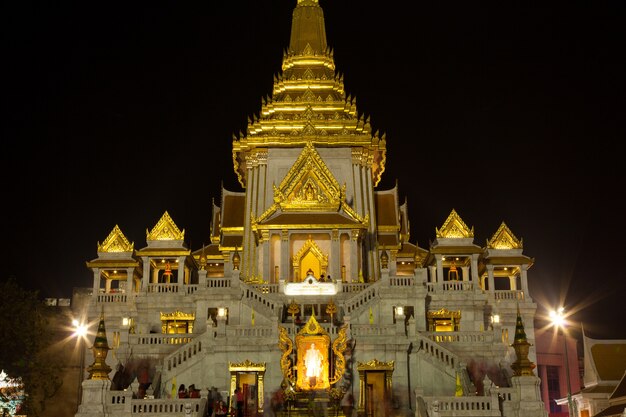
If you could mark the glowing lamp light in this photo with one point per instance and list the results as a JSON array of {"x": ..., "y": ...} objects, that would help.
[
  {"x": 399, "y": 311},
  {"x": 221, "y": 312},
  {"x": 495, "y": 318},
  {"x": 80, "y": 329},
  {"x": 125, "y": 321},
  {"x": 557, "y": 317}
]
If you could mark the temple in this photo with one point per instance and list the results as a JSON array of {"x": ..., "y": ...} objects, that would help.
[{"x": 310, "y": 286}]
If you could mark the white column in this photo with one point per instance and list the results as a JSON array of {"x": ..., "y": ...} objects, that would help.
[
  {"x": 513, "y": 282},
  {"x": 353, "y": 274},
  {"x": 145, "y": 278},
  {"x": 524, "y": 279},
  {"x": 335, "y": 256},
  {"x": 491, "y": 280},
  {"x": 284, "y": 255},
  {"x": 474, "y": 269},
  {"x": 432, "y": 270},
  {"x": 373, "y": 261},
  {"x": 130, "y": 284},
  {"x": 181, "y": 273},
  {"x": 356, "y": 180},
  {"x": 96, "y": 281},
  {"x": 438, "y": 258},
  {"x": 267, "y": 248},
  {"x": 465, "y": 273},
  {"x": 244, "y": 266}
]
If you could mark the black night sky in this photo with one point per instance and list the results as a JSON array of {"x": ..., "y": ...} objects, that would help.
[{"x": 115, "y": 112}]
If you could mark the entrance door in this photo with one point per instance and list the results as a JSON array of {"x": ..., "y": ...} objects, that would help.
[
  {"x": 248, "y": 377},
  {"x": 375, "y": 395}
]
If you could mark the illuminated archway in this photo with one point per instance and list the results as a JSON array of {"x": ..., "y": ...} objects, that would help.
[{"x": 310, "y": 256}]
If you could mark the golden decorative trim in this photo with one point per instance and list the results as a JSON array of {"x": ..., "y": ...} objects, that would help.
[
  {"x": 375, "y": 365},
  {"x": 503, "y": 238},
  {"x": 165, "y": 229},
  {"x": 116, "y": 242},
  {"x": 286, "y": 346},
  {"x": 178, "y": 315},
  {"x": 312, "y": 328},
  {"x": 339, "y": 347},
  {"x": 309, "y": 185},
  {"x": 246, "y": 366},
  {"x": 444, "y": 313},
  {"x": 454, "y": 228},
  {"x": 310, "y": 245}
]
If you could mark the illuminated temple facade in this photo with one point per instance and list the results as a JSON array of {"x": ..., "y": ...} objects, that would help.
[{"x": 310, "y": 284}]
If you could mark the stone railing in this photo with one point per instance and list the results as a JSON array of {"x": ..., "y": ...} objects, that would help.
[
  {"x": 469, "y": 406},
  {"x": 218, "y": 282},
  {"x": 372, "y": 330},
  {"x": 352, "y": 287},
  {"x": 121, "y": 403},
  {"x": 266, "y": 288},
  {"x": 460, "y": 337},
  {"x": 407, "y": 281},
  {"x": 162, "y": 288},
  {"x": 159, "y": 339},
  {"x": 514, "y": 295},
  {"x": 450, "y": 286},
  {"x": 438, "y": 353},
  {"x": 111, "y": 298},
  {"x": 182, "y": 355},
  {"x": 360, "y": 299},
  {"x": 258, "y": 300},
  {"x": 251, "y": 331}
]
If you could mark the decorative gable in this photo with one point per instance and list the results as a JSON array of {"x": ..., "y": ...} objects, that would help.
[
  {"x": 504, "y": 239},
  {"x": 165, "y": 229},
  {"x": 309, "y": 185},
  {"x": 116, "y": 242},
  {"x": 454, "y": 228}
]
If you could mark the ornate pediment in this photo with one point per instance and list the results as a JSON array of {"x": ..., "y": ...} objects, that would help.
[
  {"x": 504, "y": 239},
  {"x": 309, "y": 185},
  {"x": 165, "y": 229},
  {"x": 116, "y": 242},
  {"x": 454, "y": 228}
]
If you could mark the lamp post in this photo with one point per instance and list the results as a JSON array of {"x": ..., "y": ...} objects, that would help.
[
  {"x": 80, "y": 332},
  {"x": 558, "y": 321}
]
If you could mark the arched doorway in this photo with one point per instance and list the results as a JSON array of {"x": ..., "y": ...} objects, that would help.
[{"x": 309, "y": 257}]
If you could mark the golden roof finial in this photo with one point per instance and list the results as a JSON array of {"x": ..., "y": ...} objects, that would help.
[
  {"x": 99, "y": 369},
  {"x": 522, "y": 365}
]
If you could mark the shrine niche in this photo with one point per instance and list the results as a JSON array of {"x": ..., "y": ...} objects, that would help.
[
  {"x": 312, "y": 357},
  {"x": 444, "y": 320},
  {"x": 309, "y": 260}
]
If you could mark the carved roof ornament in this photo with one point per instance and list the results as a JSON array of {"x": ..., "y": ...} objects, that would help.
[
  {"x": 165, "y": 229},
  {"x": 116, "y": 242},
  {"x": 454, "y": 228},
  {"x": 503, "y": 238}
]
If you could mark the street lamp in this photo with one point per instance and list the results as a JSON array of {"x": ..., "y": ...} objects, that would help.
[
  {"x": 80, "y": 333},
  {"x": 558, "y": 321}
]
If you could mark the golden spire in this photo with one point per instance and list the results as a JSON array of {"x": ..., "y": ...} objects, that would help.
[
  {"x": 99, "y": 369},
  {"x": 309, "y": 103},
  {"x": 522, "y": 365}
]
